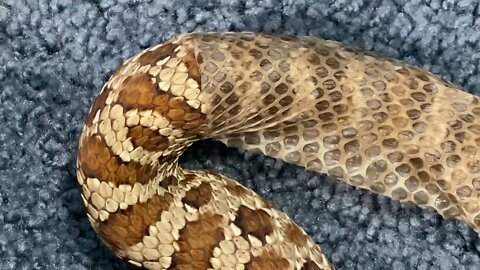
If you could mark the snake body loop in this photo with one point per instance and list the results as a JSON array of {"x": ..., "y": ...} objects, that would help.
[{"x": 371, "y": 121}]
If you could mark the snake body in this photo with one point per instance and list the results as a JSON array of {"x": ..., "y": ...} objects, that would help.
[{"x": 366, "y": 119}]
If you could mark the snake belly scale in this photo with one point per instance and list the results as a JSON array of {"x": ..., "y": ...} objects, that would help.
[{"x": 366, "y": 119}]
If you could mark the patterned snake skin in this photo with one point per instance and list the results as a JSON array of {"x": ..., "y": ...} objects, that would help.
[{"x": 368, "y": 120}]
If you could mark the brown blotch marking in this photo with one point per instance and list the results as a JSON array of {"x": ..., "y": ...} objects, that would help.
[
  {"x": 193, "y": 67},
  {"x": 199, "y": 196},
  {"x": 197, "y": 241},
  {"x": 152, "y": 57},
  {"x": 142, "y": 92},
  {"x": 97, "y": 161},
  {"x": 137, "y": 91},
  {"x": 255, "y": 222},
  {"x": 295, "y": 235},
  {"x": 310, "y": 265},
  {"x": 268, "y": 260},
  {"x": 148, "y": 138},
  {"x": 128, "y": 227},
  {"x": 185, "y": 117}
]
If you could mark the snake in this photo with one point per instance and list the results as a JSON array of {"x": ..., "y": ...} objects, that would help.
[{"x": 367, "y": 119}]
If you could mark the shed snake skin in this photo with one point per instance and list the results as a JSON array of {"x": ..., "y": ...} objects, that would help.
[{"x": 366, "y": 119}]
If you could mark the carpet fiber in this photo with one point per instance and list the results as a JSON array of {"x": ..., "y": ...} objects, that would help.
[{"x": 56, "y": 54}]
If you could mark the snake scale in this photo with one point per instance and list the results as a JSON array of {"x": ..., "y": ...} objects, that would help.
[{"x": 366, "y": 119}]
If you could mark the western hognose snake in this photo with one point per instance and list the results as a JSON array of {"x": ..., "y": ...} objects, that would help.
[{"x": 366, "y": 119}]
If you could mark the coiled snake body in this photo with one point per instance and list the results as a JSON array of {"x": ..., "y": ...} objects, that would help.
[{"x": 366, "y": 119}]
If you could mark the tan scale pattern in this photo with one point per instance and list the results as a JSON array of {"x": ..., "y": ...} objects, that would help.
[{"x": 366, "y": 119}]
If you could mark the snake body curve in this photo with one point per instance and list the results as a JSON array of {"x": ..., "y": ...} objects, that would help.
[{"x": 366, "y": 119}]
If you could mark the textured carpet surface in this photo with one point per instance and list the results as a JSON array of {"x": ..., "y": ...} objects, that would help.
[{"x": 56, "y": 54}]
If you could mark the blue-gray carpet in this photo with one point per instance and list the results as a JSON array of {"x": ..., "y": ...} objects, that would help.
[{"x": 56, "y": 54}]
